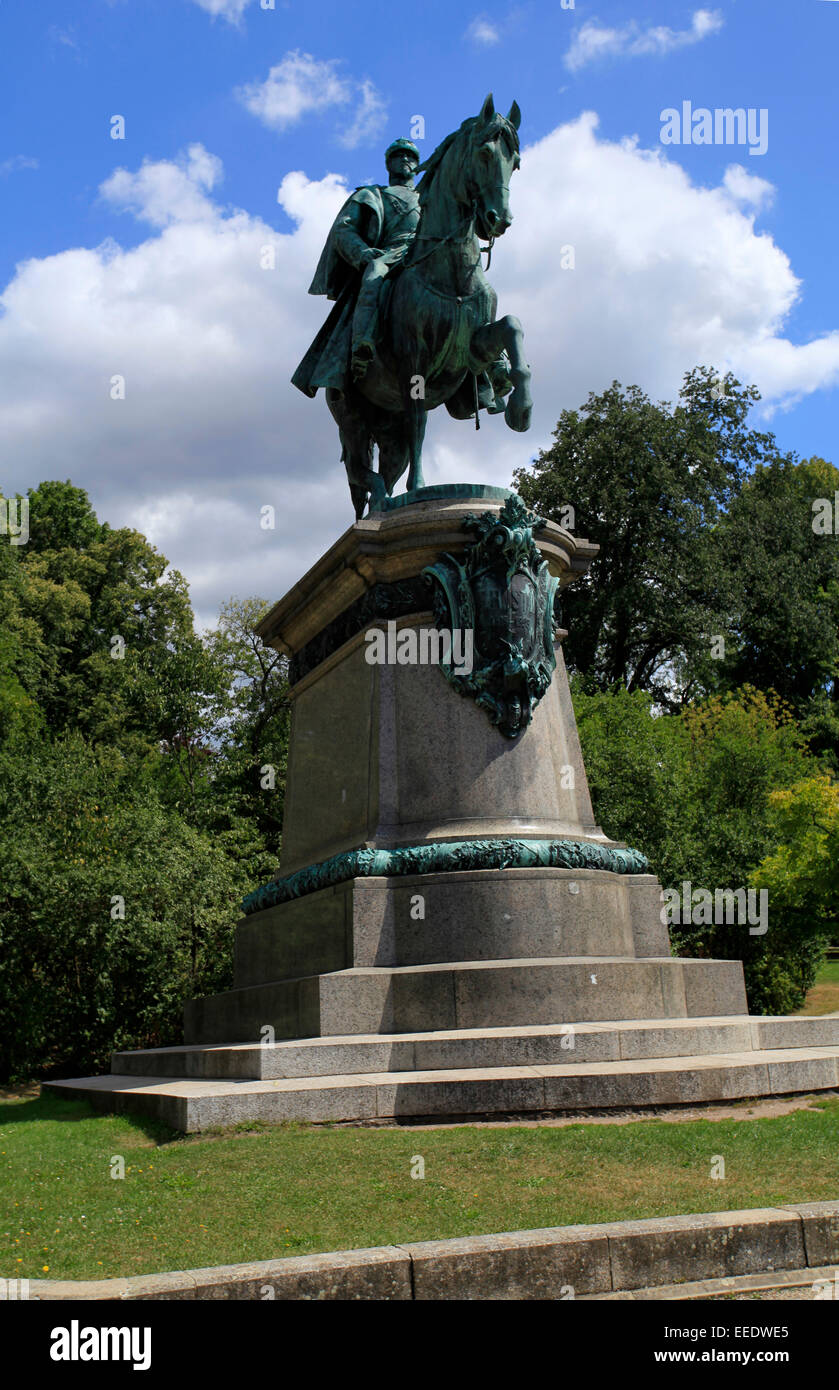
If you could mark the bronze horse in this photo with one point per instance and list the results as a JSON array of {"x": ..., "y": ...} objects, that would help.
[{"x": 441, "y": 335}]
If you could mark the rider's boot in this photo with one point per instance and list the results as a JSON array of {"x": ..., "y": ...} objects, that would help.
[
  {"x": 364, "y": 327},
  {"x": 363, "y": 353}
]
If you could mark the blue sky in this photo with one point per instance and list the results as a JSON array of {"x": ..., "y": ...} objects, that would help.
[{"x": 151, "y": 269}]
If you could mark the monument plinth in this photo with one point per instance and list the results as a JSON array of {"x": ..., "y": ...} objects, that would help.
[
  {"x": 449, "y": 932},
  {"x": 386, "y": 754},
  {"x": 438, "y": 872}
]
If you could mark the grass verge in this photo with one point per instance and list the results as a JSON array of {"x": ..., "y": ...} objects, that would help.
[
  {"x": 823, "y": 998},
  {"x": 296, "y": 1189}
]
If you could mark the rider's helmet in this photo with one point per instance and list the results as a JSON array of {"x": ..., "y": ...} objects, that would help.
[{"x": 398, "y": 146}]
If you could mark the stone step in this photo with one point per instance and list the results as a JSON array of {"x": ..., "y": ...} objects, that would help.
[
  {"x": 470, "y": 994},
  {"x": 195, "y": 1104},
  {"x": 470, "y": 1048}
]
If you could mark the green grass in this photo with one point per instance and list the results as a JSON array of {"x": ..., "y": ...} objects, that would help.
[
  {"x": 823, "y": 998},
  {"x": 294, "y": 1189}
]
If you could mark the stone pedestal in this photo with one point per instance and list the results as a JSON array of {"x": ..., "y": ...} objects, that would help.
[
  {"x": 449, "y": 932},
  {"x": 389, "y": 755},
  {"x": 492, "y": 889}
]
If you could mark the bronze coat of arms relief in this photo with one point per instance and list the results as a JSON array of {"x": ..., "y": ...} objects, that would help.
[{"x": 504, "y": 593}]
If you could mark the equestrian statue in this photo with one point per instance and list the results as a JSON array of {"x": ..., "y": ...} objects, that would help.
[{"x": 413, "y": 325}]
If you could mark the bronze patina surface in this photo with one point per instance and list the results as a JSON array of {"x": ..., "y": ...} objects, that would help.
[{"x": 413, "y": 325}]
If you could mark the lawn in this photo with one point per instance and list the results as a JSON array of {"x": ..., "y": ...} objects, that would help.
[
  {"x": 823, "y": 998},
  {"x": 295, "y": 1189}
]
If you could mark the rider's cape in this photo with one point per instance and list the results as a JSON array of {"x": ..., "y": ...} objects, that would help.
[{"x": 327, "y": 362}]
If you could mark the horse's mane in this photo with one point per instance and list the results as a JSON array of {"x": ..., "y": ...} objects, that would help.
[{"x": 467, "y": 130}]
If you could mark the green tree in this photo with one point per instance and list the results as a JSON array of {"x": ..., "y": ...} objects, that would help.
[
  {"x": 132, "y": 820},
  {"x": 82, "y": 585},
  {"x": 649, "y": 484},
  {"x": 784, "y": 582},
  {"x": 61, "y": 518},
  {"x": 113, "y": 908},
  {"x": 801, "y": 874},
  {"x": 19, "y": 716},
  {"x": 250, "y": 775},
  {"x": 694, "y": 792},
  {"x": 636, "y": 767}
]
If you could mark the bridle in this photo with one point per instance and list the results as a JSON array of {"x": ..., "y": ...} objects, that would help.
[
  {"x": 457, "y": 235},
  {"x": 472, "y": 194}
]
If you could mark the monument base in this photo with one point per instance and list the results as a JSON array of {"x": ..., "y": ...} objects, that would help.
[
  {"x": 528, "y": 1071},
  {"x": 450, "y": 933},
  {"x": 481, "y": 949}
]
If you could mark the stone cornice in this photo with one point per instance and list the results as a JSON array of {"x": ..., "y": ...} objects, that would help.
[{"x": 393, "y": 546}]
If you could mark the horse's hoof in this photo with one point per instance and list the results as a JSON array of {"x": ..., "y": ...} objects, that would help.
[
  {"x": 518, "y": 416},
  {"x": 378, "y": 493}
]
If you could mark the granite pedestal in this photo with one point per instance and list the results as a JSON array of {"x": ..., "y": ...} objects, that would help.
[{"x": 449, "y": 930}]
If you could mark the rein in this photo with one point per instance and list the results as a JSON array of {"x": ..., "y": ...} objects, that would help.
[{"x": 459, "y": 234}]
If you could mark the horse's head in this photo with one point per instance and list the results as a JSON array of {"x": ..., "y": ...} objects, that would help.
[{"x": 494, "y": 155}]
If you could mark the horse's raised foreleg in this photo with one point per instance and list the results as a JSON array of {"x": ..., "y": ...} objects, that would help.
[{"x": 486, "y": 346}]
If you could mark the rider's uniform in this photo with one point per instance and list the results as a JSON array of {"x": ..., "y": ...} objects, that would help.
[{"x": 401, "y": 213}]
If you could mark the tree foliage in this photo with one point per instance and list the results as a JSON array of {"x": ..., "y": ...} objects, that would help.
[
  {"x": 696, "y": 791},
  {"x": 133, "y": 814},
  {"x": 710, "y": 574}
]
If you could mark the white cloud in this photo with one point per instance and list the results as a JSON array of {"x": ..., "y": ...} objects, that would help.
[
  {"x": 668, "y": 275},
  {"x": 210, "y": 429},
  {"x": 163, "y": 192},
  {"x": 294, "y": 87},
  {"x": 748, "y": 189},
  {"x": 15, "y": 163},
  {"x": 368, "y": 120},
  {"x": 593, "y": 41},
  {"x": 227, "y": 9},
  {"x": 301, "y": 84},
  {"x": 483, "y": 31},
  {"x": 64, "y": 37}
]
